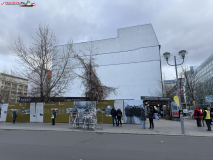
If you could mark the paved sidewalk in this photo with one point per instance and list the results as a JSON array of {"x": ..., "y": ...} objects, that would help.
[{"x": 162, "y": 127}]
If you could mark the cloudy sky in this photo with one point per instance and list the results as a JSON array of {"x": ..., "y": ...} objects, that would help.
[{"x": 179, "y": 24}]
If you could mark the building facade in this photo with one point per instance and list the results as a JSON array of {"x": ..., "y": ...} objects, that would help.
[
  {"x": 12, "y": 88},
  {"x": 203, "y": 76},
  {"x": 168, "y": 85},
  {"x": 130, "y": 62},
  {"x": 205, "y": 70}
]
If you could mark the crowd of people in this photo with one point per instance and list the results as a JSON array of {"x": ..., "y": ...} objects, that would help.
[
  {"x": 200, "y": 116},
  {"x": 203, "y": 115},
  {"x": 153, "y": 113}
]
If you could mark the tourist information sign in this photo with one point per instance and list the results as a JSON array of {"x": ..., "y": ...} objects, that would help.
[{"x": 209, "y": 98}]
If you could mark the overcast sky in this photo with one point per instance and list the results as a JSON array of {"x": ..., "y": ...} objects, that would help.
[{"x": 179, "y": 24}]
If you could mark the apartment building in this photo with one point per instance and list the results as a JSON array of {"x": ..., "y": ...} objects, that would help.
[{"x": 12, "y": 88}]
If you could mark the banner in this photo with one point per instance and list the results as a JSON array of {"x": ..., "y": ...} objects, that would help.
[{"x": 175, "y": 109}]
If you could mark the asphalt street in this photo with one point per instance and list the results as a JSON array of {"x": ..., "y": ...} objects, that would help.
[{"x": 49, "y": 145}]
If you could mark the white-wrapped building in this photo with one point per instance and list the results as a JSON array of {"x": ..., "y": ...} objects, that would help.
[{"x": 130, "y": 62}]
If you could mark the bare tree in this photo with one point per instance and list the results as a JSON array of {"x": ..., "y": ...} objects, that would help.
[
  {"x": 167, "y": 89},
  {"x": 48, "y": 69},
  {"x": 94, "y": 89},
  {"x": 191, "y": 85}
]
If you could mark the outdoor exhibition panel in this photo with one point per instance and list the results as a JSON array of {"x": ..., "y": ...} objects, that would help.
[
  {"x": 83, "y": 115},
  {"x": 4, "y": 108},
  {"x": 132, "y": 111},
  {"x": 62, "y": 111},
  {"x": 104, "y": 109},
  {"x": 22, "y": 111}
]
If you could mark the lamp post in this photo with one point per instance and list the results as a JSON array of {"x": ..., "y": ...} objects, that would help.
[{"x": 182, "y": 54}]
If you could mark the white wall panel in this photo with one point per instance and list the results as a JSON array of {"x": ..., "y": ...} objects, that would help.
[
  {"x": 4, "y": 108},
  {"x": 130, "y": 62},
  {"x": 32, "y": 112}
]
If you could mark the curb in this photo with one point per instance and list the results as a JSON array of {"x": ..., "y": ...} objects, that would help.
[{"x": 106, "y": 132}]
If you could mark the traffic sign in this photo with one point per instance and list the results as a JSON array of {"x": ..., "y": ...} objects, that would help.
[{"x": 179, "y": 92}]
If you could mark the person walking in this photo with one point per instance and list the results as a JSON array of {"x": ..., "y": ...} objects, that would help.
[
  {"x": 14, "y": 116},
  {"x": 151, "y": 113},
  {"x": 53, "y": 117},
  {"x": 114, "y": 113},
  {"x": 198, "y": 114},
  {"x": 207, "y": 118},
  {"x": 143, "y": 118},
  {"x": 211, "y": 115},
  {"x": 119, "y": 115},
  {"x": 156, "y": 113},
  {"x": 202, "y": 119}
]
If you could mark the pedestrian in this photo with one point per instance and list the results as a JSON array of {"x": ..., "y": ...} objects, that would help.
[
  {"x": 151, "y": 113},
  {"x": 202, "y": 119},
  {"x": 207, "y": 118},
  {"x": 156, "y": 113},
  {"x": 53, "y": 117},
  {"x": 113, "y": 113},
  {"x": 119, "y": 115},
  {"x": 143, "y": 118},
  {"x": 14, "y": 116},
  {"x": 211, "y": 114},
  {"x": 198, "y": 114}
]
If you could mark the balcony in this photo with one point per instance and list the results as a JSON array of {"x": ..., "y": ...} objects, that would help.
[
  {"x": 20, "y": 90},
  {"x": 7, "y": 86},
  {"x": 14, "y": 89}
]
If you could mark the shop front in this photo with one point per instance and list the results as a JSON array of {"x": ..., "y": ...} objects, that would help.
[{"x": 162, "y": 104}]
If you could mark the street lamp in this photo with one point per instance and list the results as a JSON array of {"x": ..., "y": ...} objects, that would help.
[{"x": 182, "y": 54}]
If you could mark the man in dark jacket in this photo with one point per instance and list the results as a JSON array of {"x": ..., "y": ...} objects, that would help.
[
  {"x": 114, "y": 113},
  {"x": 14, "y": 116},
  {"x": 151, "y": 113},
  {"x": 119, "y": 115},
  {"x": 198, "y": 114},
  {"x": 143, "y": 118},
  {"x": 54, "y": 116},
  {"x": 211, "y": 114}
]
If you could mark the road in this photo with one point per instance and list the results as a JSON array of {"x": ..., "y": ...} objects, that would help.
[{"x": 51, "y": 145}]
